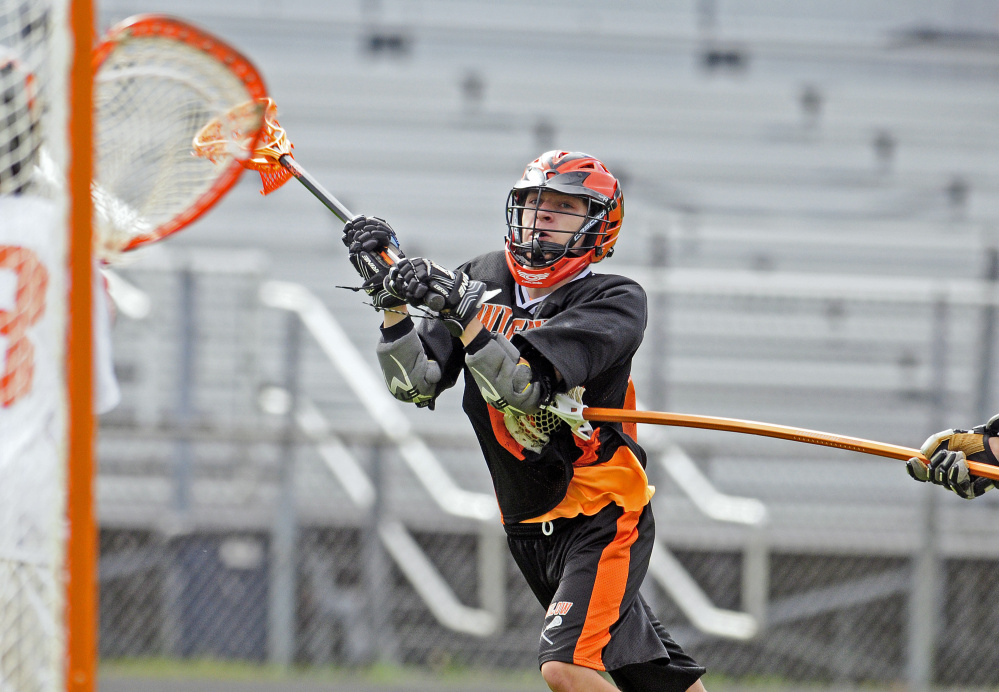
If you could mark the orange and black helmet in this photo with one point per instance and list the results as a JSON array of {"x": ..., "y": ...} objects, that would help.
[{"x": 544, "y": 264}]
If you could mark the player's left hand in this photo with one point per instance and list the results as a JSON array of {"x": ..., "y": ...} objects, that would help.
[
  {"x": 367, "y": 239},
  {"x": 453, "y": 295},
  {"x": 948, "y": 452}
]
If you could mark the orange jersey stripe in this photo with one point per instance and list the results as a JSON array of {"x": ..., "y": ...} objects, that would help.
[
  {"x": 605, "y": 601},
  {"x": 620, "y": 480}
]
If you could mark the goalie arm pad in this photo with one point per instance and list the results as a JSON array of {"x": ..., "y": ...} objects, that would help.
[
  {"x": 505, "y": 379},
  {"x": 409, "y": 374}
]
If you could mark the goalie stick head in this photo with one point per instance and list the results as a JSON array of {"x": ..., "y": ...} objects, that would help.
[
  {"x": 157, "y": 80},
  {"x": 580, "y": 175}
]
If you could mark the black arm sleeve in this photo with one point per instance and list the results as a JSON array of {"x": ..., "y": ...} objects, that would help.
[{"x": 600, "y": 328}]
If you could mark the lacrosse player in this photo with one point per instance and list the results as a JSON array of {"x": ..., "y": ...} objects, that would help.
[
  {"x": 948, "y": 452},
  {"x": 532, "y": 326}
]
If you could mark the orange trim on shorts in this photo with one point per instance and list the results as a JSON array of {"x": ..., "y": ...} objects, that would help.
[{"x": 609, "y": 586}]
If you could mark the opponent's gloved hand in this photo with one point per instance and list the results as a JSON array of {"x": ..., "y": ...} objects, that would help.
[
  {"x": 948, "y": 452},
  {"x": 451, "y": 294},
  {"x": 367, "y": 239}
]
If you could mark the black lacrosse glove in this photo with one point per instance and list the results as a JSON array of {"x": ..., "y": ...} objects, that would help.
[
  {"x": 451, "y": 294},
  {"x": 368, "y": 239},
  {"x": 948, "y": 452}
]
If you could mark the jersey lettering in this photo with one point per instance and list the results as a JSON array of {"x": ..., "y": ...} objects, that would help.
[
  {"x": 29, "y": 305},
  {"x": 558, "y": 608},
  {"x": 500, "y": 319}
]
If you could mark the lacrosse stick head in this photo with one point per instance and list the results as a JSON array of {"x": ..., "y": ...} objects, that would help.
[
  {"x": 262, "y": 154},
  {"x": 533, "y": 431}
]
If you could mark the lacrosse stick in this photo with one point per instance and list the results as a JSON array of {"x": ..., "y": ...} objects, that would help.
[
  {"x": 578, "y": 415},
  {"x": 158, "y": 79},
  {"x": 271, "y": 157}
]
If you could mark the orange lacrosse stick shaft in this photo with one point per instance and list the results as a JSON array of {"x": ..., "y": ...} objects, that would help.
[{"x": 784, "y": 432}]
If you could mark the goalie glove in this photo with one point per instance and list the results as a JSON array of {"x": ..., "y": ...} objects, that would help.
[
  {"x": 453, "y": 295},
  {"x": 368, "y": 239},
  {"x": 948, "y": 452}
]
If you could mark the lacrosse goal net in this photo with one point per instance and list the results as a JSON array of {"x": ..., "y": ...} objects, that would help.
[{"x": 45, "y": 347}]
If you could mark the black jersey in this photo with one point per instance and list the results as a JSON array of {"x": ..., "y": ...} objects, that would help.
[{"x": 588, "y": 330}]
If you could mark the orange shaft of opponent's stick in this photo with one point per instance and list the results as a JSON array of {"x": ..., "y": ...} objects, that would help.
[{"x": 784, "y": 432}]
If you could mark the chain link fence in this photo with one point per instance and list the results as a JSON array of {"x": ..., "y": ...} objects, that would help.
[{"x": 252, "y": 508}]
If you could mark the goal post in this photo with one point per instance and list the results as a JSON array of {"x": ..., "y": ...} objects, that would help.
[
  {"x": 48, "y": 530},
  {"x": 81, "y": 546}
]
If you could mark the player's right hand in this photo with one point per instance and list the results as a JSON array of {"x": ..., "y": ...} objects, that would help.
[
  {"x": 948, "y": 452},
  {"x": 368, "y": 240},
  {"x": 453, "y": 295}
]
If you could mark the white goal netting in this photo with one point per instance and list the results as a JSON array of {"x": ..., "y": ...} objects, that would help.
[
  {"x": 158, "y": 81},
  {"x": 34, "y": 54}
]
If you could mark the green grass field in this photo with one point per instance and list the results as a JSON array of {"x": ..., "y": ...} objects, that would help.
[{"x": 168, "y": 675}]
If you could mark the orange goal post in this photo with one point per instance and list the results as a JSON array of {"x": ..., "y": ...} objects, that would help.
[
  {"x": 96, "y": 160},
  {"x": 48, "y": 533}
]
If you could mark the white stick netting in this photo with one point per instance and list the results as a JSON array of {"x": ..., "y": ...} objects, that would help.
[
  {"x": 534, "y": 431},
  {"x": 153, "y": 94}
]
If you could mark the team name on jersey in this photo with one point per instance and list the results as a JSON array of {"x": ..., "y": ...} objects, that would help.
[
  {"x": 500, "y": 319},
  {"x": 558, "y": 608}
]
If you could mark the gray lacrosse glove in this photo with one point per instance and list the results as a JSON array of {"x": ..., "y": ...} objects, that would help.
[
  {"x": 409, "y": 374},
  {"x": 368, "y": 240},
  {"x": 453, "y": 295},
  {"x": 504, "y": 378},
  {"x": 948, "y": 452}
]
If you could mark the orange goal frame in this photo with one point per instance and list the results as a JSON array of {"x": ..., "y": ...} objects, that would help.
[{"x": 81, "y": 592}]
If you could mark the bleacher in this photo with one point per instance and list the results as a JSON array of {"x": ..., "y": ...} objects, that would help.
[{"x": 805, "y": 187}]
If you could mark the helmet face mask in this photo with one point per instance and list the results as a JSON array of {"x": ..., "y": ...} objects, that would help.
[
  {"x": 540, "y": 262},
  {"x": 535, "y": 252}
]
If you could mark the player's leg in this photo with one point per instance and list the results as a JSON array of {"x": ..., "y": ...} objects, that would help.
[
  {"x": 677, "y": 672},
  {"x": 673, "y": 670},
  {"x": 595, "y": 617},
  {"x": 567, "y": 677},
  {"x": 657, "y": 676},
  {"x": 536, "y": 553},
  {"x": 588, "y": 572}
]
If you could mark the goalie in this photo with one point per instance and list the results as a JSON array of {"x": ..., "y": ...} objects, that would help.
[
  {"x": 526, "y": 325},
  {"x": 26, "y": 209}
]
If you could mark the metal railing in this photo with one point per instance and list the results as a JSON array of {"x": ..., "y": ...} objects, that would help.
[
  {"x": 670, "y": 574},
  {"x": 385, "y": 411},
  {"x": 396, "y": 428},
  {"x": 833, "y": 550}
]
